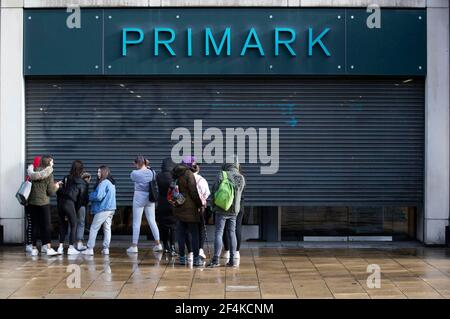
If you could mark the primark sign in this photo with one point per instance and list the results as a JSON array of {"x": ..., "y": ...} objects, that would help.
[
  {"x": 284, "y": 38},
  {"x": 224, "y": 41}
]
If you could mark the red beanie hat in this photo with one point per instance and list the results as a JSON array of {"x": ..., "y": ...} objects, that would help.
[{"x": 37, "y": 161}]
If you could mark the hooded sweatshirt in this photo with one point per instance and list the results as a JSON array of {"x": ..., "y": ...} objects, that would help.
[
  {"x": 141, "y": 179},
  {"x": 238, "y": 181},
  {"x": 164, "y": 211}
]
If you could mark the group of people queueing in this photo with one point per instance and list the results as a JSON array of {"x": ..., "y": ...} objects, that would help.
[{"x": 180, "y": 221}]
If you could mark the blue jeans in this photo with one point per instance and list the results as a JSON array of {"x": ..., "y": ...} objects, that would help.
[
  {"x": 81, "y": 216},
  {"x": 101, "y": 219},
  {"x": 81, "y": 222},
  {"x": 221, "y": 221}
]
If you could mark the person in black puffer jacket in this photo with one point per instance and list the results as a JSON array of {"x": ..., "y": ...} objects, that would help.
[
  {"x": 164, "y": 214},
  {"x": 71, "y": 197}
]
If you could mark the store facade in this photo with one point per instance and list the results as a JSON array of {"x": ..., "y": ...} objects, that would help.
[{"x": 328, "y": 111}]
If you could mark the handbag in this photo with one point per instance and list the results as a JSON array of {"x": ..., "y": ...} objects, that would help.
[
  {"x": 153, "y": 193},
  {"x": 24, "y": 192}
]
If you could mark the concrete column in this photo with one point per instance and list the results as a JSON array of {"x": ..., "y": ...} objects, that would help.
[
  {"x": 437, "y": 138},
  {"x": 12, "y": 119}
]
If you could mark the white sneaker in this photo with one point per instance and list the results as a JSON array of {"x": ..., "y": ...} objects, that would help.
[
  {"x": 201, "y": 253},
  {"x": 157, "y": 255},
  {"x": 60, "y": 250},
  {"x": 72, "y": 251},
  {"x": 34, "y": 252},
  {"x": 44, "y": 249},
  {"x": 190, "y": 257},
  {"x": 132, "y": 250},
  {"x": 80, "y": 246},
  {"x": 28, "y": 248},
  {"x": 158, "y": 248},
  {"x": 88, "y": 252},
  {"x": 51, "y": 252},
  {"x": 226, "y": 254},
  {"x": 105, "y": 251},
  {"x": 237, "y": 256}
]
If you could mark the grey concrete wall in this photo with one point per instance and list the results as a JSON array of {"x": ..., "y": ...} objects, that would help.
[
  {"x": 12, "y": 119},
  {"x": 437, "y": 103},
  {"x": 219, "y": 3}
]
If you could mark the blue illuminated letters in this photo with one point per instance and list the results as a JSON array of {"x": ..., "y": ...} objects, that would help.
[
  {"x": 220, "y": 42},
  {"x": 166, "y": 43},
  {"x": 210, "y": 38},
  {"x": 256, "y": 45},
  {"x": 126, "y": 41},
  {"x": 318, "y": 40}
]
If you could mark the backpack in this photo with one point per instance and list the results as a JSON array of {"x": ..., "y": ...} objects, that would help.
[
  {"x": 153, "y": 193},
  {"x": 174, "y": 196},
  {"x": 224, "y": 196}
]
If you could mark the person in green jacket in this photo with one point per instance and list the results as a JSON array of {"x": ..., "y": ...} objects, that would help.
[{"x": 39, "y": 205}]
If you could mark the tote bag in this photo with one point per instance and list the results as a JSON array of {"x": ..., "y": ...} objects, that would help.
[{"x": 24, "y": 192}]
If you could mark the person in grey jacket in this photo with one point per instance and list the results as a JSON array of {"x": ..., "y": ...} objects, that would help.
[
  {"x": 221, "y": 216},
  {"x": 142, "y": 176}
]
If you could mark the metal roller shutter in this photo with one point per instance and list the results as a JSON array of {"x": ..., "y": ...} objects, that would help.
[{"x": 343, "y": 141}]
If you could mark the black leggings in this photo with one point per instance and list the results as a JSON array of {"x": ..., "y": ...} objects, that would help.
[
  {"x": 67, "y": 208},
  {"x": 202, "y": 237},
  {"x": 168, "y": 235},
  {"x": 202, "y": 232},
  {"x": 40, "y": 219},
  {"x": 29, "y": 226},
  {"x": 188, "y": 230},
  {"x": 226, "y": 239}
]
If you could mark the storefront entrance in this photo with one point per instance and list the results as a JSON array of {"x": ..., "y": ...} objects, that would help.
[{"x": 341, "y": 155}]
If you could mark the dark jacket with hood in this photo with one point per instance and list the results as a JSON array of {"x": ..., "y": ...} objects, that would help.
[
  {"x": 164, "y": 211},
  {"x": 189, "y": 211},
  {"x": 42, "y": 188},
  {"x": 74, "y": 189}
]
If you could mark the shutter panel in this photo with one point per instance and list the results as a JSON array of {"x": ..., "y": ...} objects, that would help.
[{"x": 343, "y": 141}]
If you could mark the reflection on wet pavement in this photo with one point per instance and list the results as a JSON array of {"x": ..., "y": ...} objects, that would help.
[{"x": 264, "y": 272}]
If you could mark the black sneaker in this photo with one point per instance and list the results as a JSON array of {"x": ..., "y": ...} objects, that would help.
[
  {"x": 213, "y": 263},
  {"x": 182, "y": 260},
  {"x": 231, "y": 264},
  {"x": 198, "y": 262}
]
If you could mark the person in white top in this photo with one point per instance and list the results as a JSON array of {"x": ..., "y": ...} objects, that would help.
[
  {"x": 203, "y": 192},
  {"x": 142, "y": 176}
]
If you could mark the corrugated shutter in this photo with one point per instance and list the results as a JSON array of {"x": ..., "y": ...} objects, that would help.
[{"x": 343, "y": 141}]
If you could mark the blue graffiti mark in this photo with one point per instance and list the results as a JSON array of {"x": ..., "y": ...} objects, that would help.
[{"x": 293, "y": 122}]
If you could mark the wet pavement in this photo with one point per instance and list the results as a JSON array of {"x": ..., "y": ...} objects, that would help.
[{"x": 273, "y": 270}]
